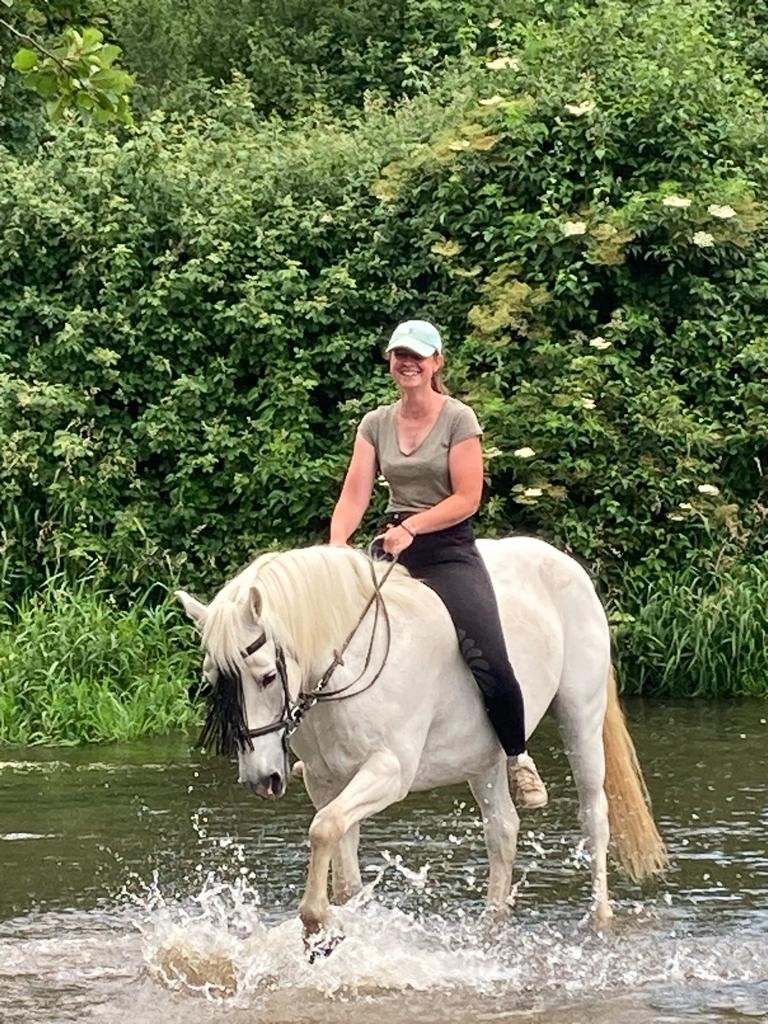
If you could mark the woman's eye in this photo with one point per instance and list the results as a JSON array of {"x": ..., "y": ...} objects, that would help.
[{"x": 268, "y": 678}]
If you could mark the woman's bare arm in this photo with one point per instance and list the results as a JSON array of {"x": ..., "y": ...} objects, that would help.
[{"x": 355, "y": 494}]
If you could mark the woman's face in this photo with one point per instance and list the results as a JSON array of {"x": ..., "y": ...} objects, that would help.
[{"x": 412, "y": 371}]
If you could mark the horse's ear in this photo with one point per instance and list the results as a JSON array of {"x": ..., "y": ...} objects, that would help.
[
  {"x": 255, "y": 603},
  {"x": 196, "y": 610}
]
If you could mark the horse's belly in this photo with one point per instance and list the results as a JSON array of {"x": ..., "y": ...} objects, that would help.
[{"x": 461, "y": 741}]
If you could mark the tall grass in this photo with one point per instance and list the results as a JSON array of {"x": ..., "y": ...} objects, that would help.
[
  {"x": 74, "y": 667},
  {"x": 695, "y": 634}
]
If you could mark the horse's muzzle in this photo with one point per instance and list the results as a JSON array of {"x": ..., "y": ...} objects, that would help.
[{"x": 269, "y": 787}]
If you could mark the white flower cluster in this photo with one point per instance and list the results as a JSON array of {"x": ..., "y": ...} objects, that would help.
[
  {"x": 524, "y": 453},
  {"x": 714, "y": 209},
  {"x": 600, "y": 343},
  {"x": 580, "y": 109},
  {"x": 574, "y": 227},
  {"x": 708, "y": 489},
  {"x": 703, "y": 239},
  {"x": 503, "y": 63},
  {"x": 679, "y": 202},
  {"x": 721, "y": 212}
]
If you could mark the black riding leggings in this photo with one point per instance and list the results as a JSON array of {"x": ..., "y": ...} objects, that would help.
[{"x": 448, "y": 561}]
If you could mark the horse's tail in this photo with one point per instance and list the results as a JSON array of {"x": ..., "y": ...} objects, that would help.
[{"x": 639, "y": 847}]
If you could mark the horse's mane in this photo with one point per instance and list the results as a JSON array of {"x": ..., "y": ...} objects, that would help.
[{"x": 311, "y": 599}]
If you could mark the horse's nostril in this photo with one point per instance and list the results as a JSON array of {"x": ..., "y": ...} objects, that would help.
[{"x": 275, "y": 782}]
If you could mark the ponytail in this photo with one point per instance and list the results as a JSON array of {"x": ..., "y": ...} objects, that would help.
[{"x": 437, "y": 383}]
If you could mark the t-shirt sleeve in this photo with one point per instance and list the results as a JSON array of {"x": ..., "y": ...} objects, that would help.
[
  {"x": 368, "y": 428},
  {"x": 465, "y": 424}
]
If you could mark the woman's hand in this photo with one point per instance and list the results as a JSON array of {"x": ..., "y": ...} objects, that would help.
[{"x": 396, "y": 539}]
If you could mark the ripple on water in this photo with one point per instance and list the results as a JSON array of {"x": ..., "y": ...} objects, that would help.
[
  {"x": 10, "y": 837},
  {"x": 218, "y": 939}
]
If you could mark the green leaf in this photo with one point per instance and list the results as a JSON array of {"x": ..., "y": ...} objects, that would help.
[
  {"x": 108, "y": 54},
  {"x": 24, "y": 60},
  {"x": 55, "y": 108},
  {"x": 123, "y": 112},
  {"x": 107, "y": 79},
  {"x": 45, "y": 83},
  {"x": 92, "y": 38}
]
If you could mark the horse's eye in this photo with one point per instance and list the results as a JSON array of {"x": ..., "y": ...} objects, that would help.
[{"x": 268, "y": 678}]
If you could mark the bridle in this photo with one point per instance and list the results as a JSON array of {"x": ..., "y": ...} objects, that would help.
[{"x": 293, "y": 712}]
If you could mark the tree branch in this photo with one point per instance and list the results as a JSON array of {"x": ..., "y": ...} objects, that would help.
[{"x": 36, "y": 43}]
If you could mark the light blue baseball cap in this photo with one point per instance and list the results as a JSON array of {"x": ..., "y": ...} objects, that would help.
[{"x": 419, "y": 336}]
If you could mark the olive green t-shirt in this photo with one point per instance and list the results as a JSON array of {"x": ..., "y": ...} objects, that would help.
[{"x": 421, "y": 479}]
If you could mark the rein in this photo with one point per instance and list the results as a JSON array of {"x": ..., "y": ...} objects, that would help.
[{"x": 294, "y": 711}]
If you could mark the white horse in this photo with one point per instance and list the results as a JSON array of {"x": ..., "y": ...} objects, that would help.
[{"x": 408, "y": 714}]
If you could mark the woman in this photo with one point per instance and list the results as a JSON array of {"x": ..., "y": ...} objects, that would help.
[{"x": 427, "y": 446}]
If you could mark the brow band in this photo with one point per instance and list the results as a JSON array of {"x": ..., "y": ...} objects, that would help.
[{"x": 252, "y": 648}]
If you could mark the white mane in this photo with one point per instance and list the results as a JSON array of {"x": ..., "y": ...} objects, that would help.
[{"x": 311, "y": 600}]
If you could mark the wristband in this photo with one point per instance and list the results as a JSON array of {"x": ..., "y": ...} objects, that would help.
[{"x": 407, "y": 529}]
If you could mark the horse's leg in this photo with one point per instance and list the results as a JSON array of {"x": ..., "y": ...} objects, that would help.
[
  {"x": 500, "y": 824},
  {"x": 580, "y": 723},
  {"x": 377, "y": 784},
  {"x": 345, "y": 867},
  {"x": 346, "y": 881}
]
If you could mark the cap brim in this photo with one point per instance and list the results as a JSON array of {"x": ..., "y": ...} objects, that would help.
[{"x": 411, "y": 344}]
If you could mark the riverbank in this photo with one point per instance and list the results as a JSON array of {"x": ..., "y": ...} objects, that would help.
[{"x": 76, "y": 668}]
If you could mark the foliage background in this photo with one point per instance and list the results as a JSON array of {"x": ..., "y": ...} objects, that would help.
[{"x": 192, "y": 312}]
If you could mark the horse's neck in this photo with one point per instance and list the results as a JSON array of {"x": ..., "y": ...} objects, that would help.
[{"x": 338, "y": 665}]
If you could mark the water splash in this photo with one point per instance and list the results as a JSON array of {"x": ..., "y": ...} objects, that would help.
[{"x": 218, "y": 945}]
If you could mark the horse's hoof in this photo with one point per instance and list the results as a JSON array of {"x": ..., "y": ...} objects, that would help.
[
  {"x": 602, "y": 919},
  {"x": 321, "y": 945}
]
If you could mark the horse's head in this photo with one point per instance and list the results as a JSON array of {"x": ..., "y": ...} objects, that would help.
[{"x": 247, "y": 678}]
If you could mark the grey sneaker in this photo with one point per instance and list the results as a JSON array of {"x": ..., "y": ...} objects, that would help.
[{"x": 525, "y": 785}]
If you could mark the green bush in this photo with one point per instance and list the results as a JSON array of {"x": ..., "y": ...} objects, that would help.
[
  {"x": 596, "y": 218},
  {"x": 190, "y": 317},
  {"x": 175, "y": 361},
  {"x": 192, "y": 314},
  {"x": 298, "y": 55}
]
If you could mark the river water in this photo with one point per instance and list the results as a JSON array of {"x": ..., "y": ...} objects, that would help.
[{"x": 139, "y": 883}]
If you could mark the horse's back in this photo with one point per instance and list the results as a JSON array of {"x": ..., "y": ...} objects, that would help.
[
  {"x": 526, "y": 569},
  {"x": 553, "y": 621},
  {"x": 527, "y": 559}
]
